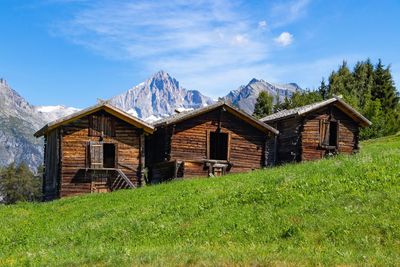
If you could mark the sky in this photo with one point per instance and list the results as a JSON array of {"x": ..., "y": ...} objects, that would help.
[{"x": 71, "y": 52}]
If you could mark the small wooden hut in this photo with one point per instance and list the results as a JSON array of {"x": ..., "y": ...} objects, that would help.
[
  {"x": 98, "y": 149},
  {"x": 314, "y": 131},
  {"x": 209, "y": 141}
]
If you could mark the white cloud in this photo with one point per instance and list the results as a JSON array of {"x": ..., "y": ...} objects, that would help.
[
  {"x": 262, "y": 24},
  {"x": 240, "y": 39},
  {"x": 284, "y": 39},
  {"x": 186, "y": 38}
]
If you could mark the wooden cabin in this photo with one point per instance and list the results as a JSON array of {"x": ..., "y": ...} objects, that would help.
[
  {"x": 98, "y": 149},
  {"x": 314, "y": 131},
  {"x": 210, "y": 141}
]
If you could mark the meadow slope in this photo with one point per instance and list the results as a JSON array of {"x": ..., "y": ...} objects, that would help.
[{"x": 339, "y": 211}]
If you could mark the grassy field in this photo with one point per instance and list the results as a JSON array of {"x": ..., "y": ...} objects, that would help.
[{"x": 339, "y": 211}]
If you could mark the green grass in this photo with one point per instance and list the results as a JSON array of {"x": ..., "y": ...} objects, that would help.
[{"x": 339, "y": 211}]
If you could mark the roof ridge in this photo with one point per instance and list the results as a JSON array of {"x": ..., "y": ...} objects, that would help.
[
  {"x": 313, "y": 106},
  {"x": 87, "y": 111},
  {"x": 180, "y": 117}
]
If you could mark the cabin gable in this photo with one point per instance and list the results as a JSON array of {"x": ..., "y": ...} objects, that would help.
[
  {"x": 328, "y": 130},
  {"x": 214, "y": 137},
  {"x": 90, "y": 148}
]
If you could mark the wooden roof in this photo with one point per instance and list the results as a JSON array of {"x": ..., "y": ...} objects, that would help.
[
  {"x": 337, "y": 101},
  {"x": 179, "y": 117},
  {"x": 101, "y": 106}
]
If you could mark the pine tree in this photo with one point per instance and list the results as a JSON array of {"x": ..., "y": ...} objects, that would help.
[
  {"x": 384, "y": 88},
  {"x": 363, "y": 74},
  {"x": 302, "y": 98},
  {"x": 264, "y": 105},
  {"x": 282, "y": 105},
  {"x": 341, "y": 82},
  {"x": 323, "y": 89}
]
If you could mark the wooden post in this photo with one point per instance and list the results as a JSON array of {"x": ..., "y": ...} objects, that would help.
[
  {"x": 61, "y": 159},
  {"x": 142, "y": 157},
  {"x": 44, "y": 169}
]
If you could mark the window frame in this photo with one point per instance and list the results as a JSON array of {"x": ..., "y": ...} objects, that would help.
[
  {"x": 91, "y": 154},
  {"x": 324, "y": 133},
  {"x": 228, "y": 154}
]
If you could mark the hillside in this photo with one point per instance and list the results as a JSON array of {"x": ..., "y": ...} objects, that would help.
[{"x": 338, "y": 211}]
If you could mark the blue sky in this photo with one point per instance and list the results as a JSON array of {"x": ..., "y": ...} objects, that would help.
[{"x": 71, "y": 52}]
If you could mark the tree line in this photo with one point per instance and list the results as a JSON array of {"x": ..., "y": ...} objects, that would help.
[
  {"x": 369, "y": 88},
  {"x": 19, "y": 183}
]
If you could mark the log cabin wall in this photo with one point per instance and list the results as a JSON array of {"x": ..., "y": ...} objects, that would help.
[
  {"x": 347, "y": 139},
  {"x": 51, "y": 178},
  {"x": 74, "y": 155},
  {"x": 158, "y": 146},
  {"x": 289, "y": 142},
  {"x": 187, "y": 141}
]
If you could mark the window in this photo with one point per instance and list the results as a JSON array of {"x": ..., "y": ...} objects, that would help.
[
  {"x": 333, "y": 133},
  {"x": 329, "y": 134},
  {"x": 102, "y": 155},
  {"x": 218, "y": 145},
  {"x": 101, "y": 124},
  {"x": 109, "y": 156}
]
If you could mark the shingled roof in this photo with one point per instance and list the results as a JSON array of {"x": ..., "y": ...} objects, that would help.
[
  {"x": 179, "y": 117},
  {"x": 101, "y": 106},
  {"x": 337, "y": 101}
]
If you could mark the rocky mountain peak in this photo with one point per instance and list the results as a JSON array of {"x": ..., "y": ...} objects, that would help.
[
  {"x": 161, "y": 80},
  {"x": 158, "y": 97},
  {"x": 3, "y": 82},
  {"x": 254, "y": 80},
  {"x": 245, "y": 96}
]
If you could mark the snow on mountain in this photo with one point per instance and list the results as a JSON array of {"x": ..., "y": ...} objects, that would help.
[
  {"x": 245, "y": 96},
  {"x": 159, "y": 96},
  {"x": 51, "y": 113}
]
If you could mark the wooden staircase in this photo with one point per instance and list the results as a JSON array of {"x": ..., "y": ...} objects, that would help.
[
  {"x": 108, "y": 180},
  {"x": 120, "y": 181}
]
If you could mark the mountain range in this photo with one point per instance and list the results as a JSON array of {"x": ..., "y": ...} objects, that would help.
[{"x": 157, "y": 97}]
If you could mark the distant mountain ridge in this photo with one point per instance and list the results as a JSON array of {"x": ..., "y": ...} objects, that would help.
[
  {"x": 157, "y": 97},
  {"x": 18, "y": 121},
  {"x": 245, "y": 96}
]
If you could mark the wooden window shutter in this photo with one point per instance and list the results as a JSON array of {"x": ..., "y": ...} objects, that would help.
[
  {"x": 327, "y": 129},
  {"x": 323, "y": 132},
  {"x": 96, "y": 155}
]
